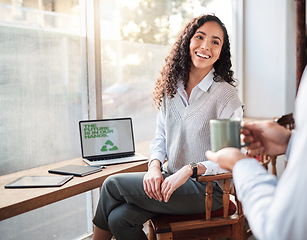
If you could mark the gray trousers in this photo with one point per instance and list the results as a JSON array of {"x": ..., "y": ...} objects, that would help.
[{"x": 124, "y": 207}]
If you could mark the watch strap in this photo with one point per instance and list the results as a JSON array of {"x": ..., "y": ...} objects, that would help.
[{"x": 194, "y": 169}]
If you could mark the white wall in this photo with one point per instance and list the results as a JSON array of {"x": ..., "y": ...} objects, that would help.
[{"x": 269, "y": 72}]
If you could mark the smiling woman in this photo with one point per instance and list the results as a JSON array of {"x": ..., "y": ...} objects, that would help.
[{"x": 190, "y": 90}]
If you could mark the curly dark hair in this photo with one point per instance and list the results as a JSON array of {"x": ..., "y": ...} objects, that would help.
[{"x": 178, "y": 63}]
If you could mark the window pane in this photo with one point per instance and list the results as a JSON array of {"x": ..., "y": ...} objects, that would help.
[
  {"x": 54, "y": 15},
  {"x": 66, "y": 219},
  {"x": 40, "y": 97},
  {"x": 43, "y": 95}
]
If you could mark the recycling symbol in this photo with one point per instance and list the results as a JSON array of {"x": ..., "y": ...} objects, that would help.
[{"x": 108, "y": 146}]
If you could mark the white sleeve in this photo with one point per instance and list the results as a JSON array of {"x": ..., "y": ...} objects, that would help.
[
  {"x": 238, "y": 113},
  {"x": 212, "y": 168},
  {"x": 275, "y": 209},
  {"x": 158, "y": 144}
]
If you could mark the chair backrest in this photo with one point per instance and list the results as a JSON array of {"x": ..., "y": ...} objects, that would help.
[{"x": 288, "y": 122}]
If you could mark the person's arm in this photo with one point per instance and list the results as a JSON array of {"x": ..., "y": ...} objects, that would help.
[
  {"x": 255, "y": 188},
  {"x": 274, "y": 211}
]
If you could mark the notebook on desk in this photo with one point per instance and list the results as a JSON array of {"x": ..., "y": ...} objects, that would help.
[
  {"x": 108, "y": 141},
  {"x": 76, "y": 170}
]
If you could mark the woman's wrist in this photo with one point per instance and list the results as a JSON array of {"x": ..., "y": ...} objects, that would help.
[
  {"x": 155, "y": 164},
  {"x": 187, "y": 170}
]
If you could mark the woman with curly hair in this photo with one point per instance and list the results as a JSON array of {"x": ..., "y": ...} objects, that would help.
[
  {"x": 177, "y": 66},
  {"x": 196, "y": 85}
]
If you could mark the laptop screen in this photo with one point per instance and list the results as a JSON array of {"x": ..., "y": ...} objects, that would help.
[{"x": 106, "y": 137}]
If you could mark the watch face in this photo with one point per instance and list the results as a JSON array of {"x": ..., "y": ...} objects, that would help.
[{"x": 193, "y": 164}]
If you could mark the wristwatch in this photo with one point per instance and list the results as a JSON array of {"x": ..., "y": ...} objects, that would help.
[{"x": 193, "y": 166}]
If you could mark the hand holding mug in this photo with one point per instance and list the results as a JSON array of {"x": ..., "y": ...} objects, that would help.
[{"x": 266, "y": 137}]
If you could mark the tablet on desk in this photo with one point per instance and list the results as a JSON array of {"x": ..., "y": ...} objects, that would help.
[{"x": 39, "y": 181}]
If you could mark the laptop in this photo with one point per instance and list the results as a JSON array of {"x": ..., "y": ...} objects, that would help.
[{"x": 108, "y": 141}]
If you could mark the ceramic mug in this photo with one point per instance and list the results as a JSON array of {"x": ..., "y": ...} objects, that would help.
[{"x": 225, "y": 133}]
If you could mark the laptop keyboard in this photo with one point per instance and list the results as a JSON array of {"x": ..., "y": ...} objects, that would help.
[
  {"x": 107, "y": 158},
  {"x": 123, "y": 159}
]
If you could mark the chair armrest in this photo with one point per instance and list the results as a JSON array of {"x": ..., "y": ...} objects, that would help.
[
  {"x": 210, "y": 178},
  {"x": 209, "y": 189}
]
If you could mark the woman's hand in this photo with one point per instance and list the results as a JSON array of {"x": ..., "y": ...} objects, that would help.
[
  {"x": 152, "y": 181},
  {"x": 174, "y": 181}
]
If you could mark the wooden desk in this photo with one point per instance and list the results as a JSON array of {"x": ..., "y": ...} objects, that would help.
[{"x": 17, "y": 201}]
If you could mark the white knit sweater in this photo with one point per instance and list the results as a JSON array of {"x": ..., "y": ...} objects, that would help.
[{"x": 187, "y": 128}]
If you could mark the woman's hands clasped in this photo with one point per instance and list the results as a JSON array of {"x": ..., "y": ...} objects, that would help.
[
  {"x": 157, "y": 187},
  {"x": 174, "y": 181}
]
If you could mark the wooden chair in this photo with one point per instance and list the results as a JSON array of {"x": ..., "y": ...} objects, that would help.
[
  {"x": 286, "y": 121},
  {"x": 225, "y": 222}
]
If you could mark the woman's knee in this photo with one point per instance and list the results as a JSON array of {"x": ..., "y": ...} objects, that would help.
[
  {"x": 127, "y": 216},
  {"x": 109, "y": 180},
  {"x": 125, "y": 183},
  {"x": 110, "y": 183},
  {"x": 123, "y": 178}
]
